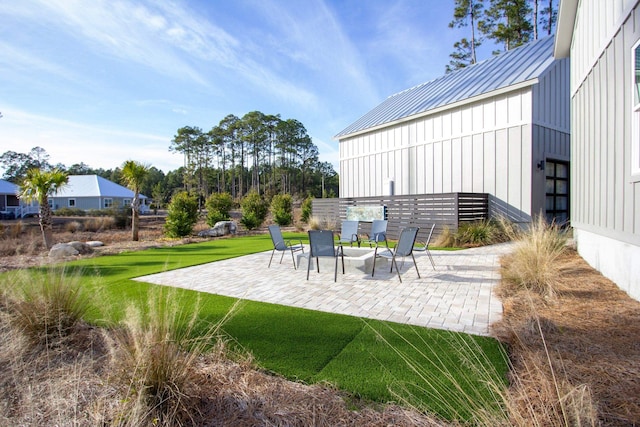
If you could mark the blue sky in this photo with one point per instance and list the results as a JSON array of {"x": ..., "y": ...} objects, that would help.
[{"x": 102, "y": 82}]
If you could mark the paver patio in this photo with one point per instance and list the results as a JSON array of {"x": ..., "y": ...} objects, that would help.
[{"x": 457, "y": 296}]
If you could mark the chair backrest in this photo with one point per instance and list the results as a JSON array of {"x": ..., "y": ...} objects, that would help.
[
  {"x": 404, "y": 247},
  {"x": 276, "y": 237},
  {"x": 378, "y": 226},
  {"x": 322, "y": 243},
  {"x": 348, "y": 229}
]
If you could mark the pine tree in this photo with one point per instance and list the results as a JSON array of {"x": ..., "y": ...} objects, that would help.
[
  {"x": 465, "y": 14},
  {"x": 507, "y": 22}
]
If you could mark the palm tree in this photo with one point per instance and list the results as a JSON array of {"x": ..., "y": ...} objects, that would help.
[
  {"x": 38, "y": 185},
  {"x": 134, "y": 174}
]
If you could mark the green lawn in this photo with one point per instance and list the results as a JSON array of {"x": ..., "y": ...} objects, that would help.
[{"x": 444, "y": 372}]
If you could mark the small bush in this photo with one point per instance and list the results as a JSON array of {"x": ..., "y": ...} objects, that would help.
[
  {"x": 100, "y": 224},
  {"x": 533, "y": 263},
  {"x": 219, "y": 207},
  {"x": 73, "y": 226},
  {"x": 48, "y": 305},
  {"x": 476, "y": 234},
  {"x": 282, "y": 209},
  {"x": 254, "y": 210},
  {"x": 69, "y": 212},
  {"x": 182, "y": 215},
  {"x": 307, "y": 209},
  {"x": 158, "y": 355},
  {"x": 317, "y": 223}
]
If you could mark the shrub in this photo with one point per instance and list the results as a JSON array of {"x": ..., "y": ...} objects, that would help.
[
  {"x": 48, "y": 305},
  {"x": 99, "y": 224},
  {"x": 533, "y": 263},
  {"x": 282, "y": 209},
  {"x": 182, "y": 215},
  {"x": 478, "y": 233},
  {"x": 254, "y": 210},
  {"x": 307, "y": 209},
  {"x": 219, "y": 207},
  {"x": 159, "y": 352},
  {"x": 69, "y": 212},
  {"x": 317, "y": 223},
  {"x": 73, "y": 226}
]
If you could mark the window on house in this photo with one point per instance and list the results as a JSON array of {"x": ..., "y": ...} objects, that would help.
[
  {"x": 108, "y": 203},
  {"x": 72, "y": 203},
  {"x": 126, "y": 202},
  {"x": 635, "y": 142}
]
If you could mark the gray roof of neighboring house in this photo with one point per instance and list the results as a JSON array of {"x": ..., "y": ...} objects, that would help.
[
  {"x": 93, "y": 186},
  {"x": 7, "y": 187},
  {"x": 523, "y": 64}
]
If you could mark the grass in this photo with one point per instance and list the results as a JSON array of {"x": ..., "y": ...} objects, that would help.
[{"x": 376, "y": 361}]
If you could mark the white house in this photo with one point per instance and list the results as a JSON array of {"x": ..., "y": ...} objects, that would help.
[
  {"x": 89, "y": 192},
  {"x": 602, "y": 39},
  {"x": 500, "y": 127}
]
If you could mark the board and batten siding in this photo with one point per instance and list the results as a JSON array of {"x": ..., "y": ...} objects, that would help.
[
  {"x": 482, "y": 147},
  {"x": 605, "y": 192}
]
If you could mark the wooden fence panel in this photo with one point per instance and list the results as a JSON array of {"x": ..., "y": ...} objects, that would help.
[{"x": 421, "y": 210}]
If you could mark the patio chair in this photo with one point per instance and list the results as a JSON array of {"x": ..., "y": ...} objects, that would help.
[
  {"x": 378, "y": 232},
  {"x": 404, "y": 248},
  {"x": 349, "y": 233},
  {"x": 424, "y": 246},
  {"x": 281, "y": 245},
  {"x": 322, "y": 244}
]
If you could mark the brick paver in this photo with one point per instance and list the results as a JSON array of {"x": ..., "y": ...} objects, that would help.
[{"x": 457, "y": 296}]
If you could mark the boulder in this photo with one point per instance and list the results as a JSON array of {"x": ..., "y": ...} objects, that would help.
[
  {"x": 95, "y": 243},
  {"x": 64, "y": 250},
  {"x": 221, "y": 228}
]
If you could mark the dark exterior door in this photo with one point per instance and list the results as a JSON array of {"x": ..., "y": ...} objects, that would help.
[{"x": 557, "y": 189}]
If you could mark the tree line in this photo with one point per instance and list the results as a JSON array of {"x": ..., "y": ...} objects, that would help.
[
  {"x": 256, "y": 152},
  {"x": 508, "y": 23}
]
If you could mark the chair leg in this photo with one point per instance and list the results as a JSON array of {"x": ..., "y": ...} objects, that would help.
[
  {"x": 271, "y": 259},
  {"x": 294, "y": 260},
  {"x": 308, "y": 266},
  {"x": 414, "y": 263},
  {"x": 393, "y": 261},
  {"x": 281, "y": 257},
  {"x": 335, "y": 271},
  {"x": 430, "y": 258},
  {"x": 318, "y": 264},
  {"x": 375, "y": 255}
]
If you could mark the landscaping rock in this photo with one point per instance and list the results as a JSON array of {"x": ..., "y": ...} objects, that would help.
[
  {"x": 221, "y": 228},
  {"x": 64, "y": 250},
  {"x": 95, "y": 243}
]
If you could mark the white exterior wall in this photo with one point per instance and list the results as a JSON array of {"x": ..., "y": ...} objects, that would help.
[
  {"x": 482, "y": 147},
  {"x": 605, "y": 191}
]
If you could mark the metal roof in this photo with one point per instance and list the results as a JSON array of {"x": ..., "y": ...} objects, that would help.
[
  {"x": 93, "y": 186},
  {"x": 7, "y": 187},
  {"x": 523, "y": 64}
]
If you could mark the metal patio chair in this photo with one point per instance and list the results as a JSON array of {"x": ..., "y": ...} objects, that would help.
[
  {"x": 404, "y": 248},
  {"x": 378, "y": 232},
  {"x": 349, "y": 233},
  {"x": 322, "y": 244},
  {"x": 282, "y": 245},
  {"x": 424, "y": 246}
]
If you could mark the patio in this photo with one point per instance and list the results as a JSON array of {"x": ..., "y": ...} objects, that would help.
[{"x": 457, "y": 296}]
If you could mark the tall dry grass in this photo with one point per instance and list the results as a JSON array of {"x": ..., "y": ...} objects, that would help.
[
  {"x": 323, "y": 223},
  {"x": 46, "y": 307},
  {"x": 532, "y": 265}
]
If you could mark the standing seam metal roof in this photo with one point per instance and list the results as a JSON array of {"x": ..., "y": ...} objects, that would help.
[
  {"x": 515, "y": 66},
  {"x": 93, "y": 186}
]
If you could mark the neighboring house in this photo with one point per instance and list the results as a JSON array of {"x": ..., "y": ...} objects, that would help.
[
  {"x": 10, "y": 206},
  {"x": 602, "y": 39},
  {"x": 500, "y": 127},
  {"x": 89, "y": 192}
]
